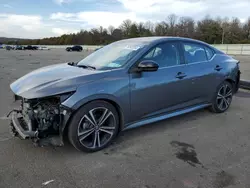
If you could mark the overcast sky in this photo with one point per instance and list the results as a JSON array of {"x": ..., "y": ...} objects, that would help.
[{"x": 45, "y": 18}]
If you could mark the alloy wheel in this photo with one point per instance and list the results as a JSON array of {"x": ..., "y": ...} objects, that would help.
[
  {"x": 224, "y": 97},
  {"x": 96, "y": 128}
]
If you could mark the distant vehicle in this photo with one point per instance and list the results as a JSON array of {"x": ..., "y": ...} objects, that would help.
[
  {"x": 43, "y": 48},
  {"x": 2, "y": 46},
  {"x": 9, "y": 48},
  {"x": 35, "y": 47},
  {"x": 29, "y": 47},
  {"x": 74, "y": 48},
  {"x": 124, "y": 85},
  {"x": 18, "y": 47}
]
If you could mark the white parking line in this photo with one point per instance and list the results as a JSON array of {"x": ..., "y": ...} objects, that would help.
[
  {"x": 4, "y": 139},
  {"x": 47, "y": 182},
  {"x": 4, "y": 118}
]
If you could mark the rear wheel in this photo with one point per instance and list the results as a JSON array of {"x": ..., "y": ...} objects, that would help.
[
  {"x": 94, "y": 126},
  {"x": 223, "y": 98}
]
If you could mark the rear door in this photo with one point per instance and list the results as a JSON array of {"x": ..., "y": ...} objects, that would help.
[{"x": 201, "y": 69}]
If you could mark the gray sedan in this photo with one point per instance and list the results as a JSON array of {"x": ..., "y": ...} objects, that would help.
[{"x": 123, "y": 85}]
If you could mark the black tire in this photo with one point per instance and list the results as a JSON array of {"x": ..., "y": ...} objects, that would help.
[
  {"x": 222, "y": 100},
  {"x": 237, "y": 83},
  {"x": 98, "y": 139}
]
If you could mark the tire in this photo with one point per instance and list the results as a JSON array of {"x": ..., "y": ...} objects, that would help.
[
  {"x": 84, "y": 130},
  {"x": 237, "y": 84},
  {"x": 222, "y": 98}
]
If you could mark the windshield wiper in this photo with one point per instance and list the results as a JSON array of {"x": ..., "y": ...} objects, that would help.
[
  {"x": 71, "y": 63},
  {"x": 81, "y": 66},
  {"x": 86, "y": 66}
]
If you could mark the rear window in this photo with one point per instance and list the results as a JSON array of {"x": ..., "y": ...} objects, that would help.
[
  {"x": 209, "y": 52},
  {"x": 194, "y": 53}
]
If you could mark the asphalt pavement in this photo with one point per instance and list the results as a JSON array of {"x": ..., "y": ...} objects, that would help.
[{"x": 196, "y": 150}]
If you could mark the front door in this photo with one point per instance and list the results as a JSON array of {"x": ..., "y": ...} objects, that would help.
[{"x": 153, "y": 93}]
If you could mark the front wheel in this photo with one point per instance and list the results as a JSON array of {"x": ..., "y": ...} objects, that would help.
[
  {"x": 223, "y": 98},
  {"x": 94, "y": 126}
]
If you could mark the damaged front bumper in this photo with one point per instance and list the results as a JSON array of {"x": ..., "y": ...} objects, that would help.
[
  {"x": 28, "y": 125},
  {"x": 19, "y": 126}
]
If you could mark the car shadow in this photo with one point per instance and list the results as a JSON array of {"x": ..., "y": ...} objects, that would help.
[{"x": 128, "y": 137}]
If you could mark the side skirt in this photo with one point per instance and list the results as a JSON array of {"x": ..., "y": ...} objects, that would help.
[{"x": 164, "y": 116}]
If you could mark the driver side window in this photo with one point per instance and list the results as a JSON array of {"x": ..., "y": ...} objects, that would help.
[{"x": 165, "y": 54}]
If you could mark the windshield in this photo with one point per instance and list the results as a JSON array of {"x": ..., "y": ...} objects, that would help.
[{"x": 114, "y": 55}]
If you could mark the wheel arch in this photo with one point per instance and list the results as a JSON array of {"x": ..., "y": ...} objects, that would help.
[
  {"x": 230, "y": 80},
  {"x": 235, "y": 83},
  {"x": 117, "y": 106}
]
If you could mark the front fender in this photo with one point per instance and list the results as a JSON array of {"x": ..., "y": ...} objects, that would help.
[
  {"x": 115, "y": 89},
  {"x": 85, "y": 100}
]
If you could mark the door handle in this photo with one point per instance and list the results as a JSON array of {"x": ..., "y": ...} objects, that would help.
[
  {"x": 218, "y": 68},
  {"x": 180, "y": 75}
]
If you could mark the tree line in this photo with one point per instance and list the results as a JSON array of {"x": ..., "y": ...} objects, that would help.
[{"x": 212, "y": 31}]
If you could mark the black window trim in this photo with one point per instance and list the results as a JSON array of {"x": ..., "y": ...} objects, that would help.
[
  {"x": 208, "y": 47},
  {"x": 199, "y": 44},
  {"x": 178, "y": 42}
]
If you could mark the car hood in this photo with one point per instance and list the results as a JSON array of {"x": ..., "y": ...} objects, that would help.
[{"x": 53, "y": 80}]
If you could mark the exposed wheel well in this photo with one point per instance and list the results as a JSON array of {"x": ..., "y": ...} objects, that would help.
[
  {"x": 230, "y": 81},
  {"x": 235, "y": 84}
]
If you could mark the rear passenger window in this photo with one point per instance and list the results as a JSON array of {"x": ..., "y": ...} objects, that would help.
[
  {"x": 194, "y": 53},
  {"x": 209, "y": 52}
]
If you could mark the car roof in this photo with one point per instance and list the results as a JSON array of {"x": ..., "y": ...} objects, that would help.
[
  {"x": 158, "y": 39},
  {"x": 161, "y": 39}
]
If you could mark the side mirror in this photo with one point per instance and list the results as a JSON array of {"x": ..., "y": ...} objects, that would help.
[{"x": 147, "y": 66}]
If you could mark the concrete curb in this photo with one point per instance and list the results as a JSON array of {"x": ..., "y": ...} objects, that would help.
[{"x": 245, "y": 84}]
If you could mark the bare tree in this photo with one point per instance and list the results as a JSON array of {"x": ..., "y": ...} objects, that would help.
[
  {"x": 246, "y": 29},
  {"x": 117, "y": 34},
  {"x": 111, "y": 29},
  {"x": 141, "y": 27},
  {"x": 224, "y": 24},
  {"x": 149, "y": 26},
  {"x": 101, "y": 29},
  {"x": 172, "y": 21},
  {"x": 125, "y": 26},
  {"x": 185, "y": 27},
  {"x": 161, "y": 29}
]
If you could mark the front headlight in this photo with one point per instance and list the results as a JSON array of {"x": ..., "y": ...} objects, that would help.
[{"x": 65, "y": 96}]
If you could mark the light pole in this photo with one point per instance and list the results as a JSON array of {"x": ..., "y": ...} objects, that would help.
[{"x": 223, "y": 33}]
